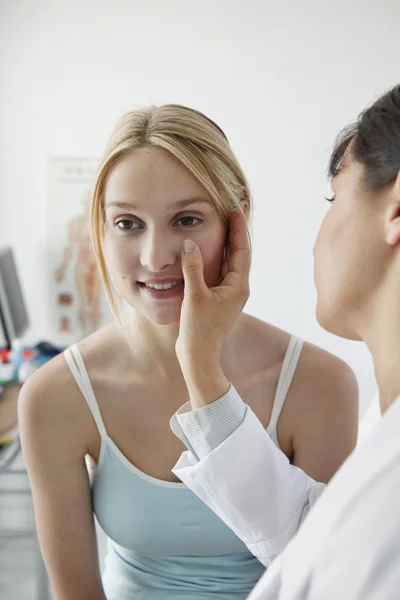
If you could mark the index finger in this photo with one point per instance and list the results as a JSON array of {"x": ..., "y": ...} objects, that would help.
[{"x": 239, "y": 245}]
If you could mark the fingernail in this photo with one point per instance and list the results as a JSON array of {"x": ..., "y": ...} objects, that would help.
[{"x": 188, "y": 246}]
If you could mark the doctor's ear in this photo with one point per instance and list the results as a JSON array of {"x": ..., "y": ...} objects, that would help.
[{"x": 393, "y": 215}]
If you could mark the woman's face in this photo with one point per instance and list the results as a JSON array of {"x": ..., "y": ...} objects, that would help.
[
  {"x": 349, "y": 253},
  {"x": 152, "y": 204}
]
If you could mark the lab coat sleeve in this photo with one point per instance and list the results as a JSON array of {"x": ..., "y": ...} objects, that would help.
[
  {"x": 204, "y": 429},
  {"x": 251, "y": 485}
]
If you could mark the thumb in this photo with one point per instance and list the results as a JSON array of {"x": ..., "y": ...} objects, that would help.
[{"x": 192, "y": 267}]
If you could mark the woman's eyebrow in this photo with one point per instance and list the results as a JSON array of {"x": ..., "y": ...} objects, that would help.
[
  {"x": 179, "y": 204},
  {"x": 195, "y": 199}
]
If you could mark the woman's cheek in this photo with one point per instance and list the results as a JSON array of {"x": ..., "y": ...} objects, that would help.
[
  {"x": 212, "y": 252},
  {"x": 119, "y": 256}
]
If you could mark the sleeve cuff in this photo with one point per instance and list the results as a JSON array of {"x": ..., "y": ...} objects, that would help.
[{"x": 206, "y": 428}]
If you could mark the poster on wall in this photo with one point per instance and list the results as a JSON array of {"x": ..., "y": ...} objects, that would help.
[{"x": 77, "y": 301}]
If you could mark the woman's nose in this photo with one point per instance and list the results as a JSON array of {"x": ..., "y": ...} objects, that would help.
[{"x": 158, "y": 251}]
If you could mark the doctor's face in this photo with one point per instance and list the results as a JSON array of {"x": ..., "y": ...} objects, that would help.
[
  {"x": 152, "y": 204},
  {"x": 349, "y": 252}
]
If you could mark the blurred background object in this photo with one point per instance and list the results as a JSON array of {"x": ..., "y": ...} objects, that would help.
[
  {"x": 77, "y": 302},
  {"x": 22, "y": 570}
]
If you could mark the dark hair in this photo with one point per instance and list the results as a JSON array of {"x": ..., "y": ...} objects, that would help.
[{"x": 375, "y": 138}]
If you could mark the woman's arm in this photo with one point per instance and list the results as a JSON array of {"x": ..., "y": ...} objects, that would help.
[{"x": 54, "y": 449}]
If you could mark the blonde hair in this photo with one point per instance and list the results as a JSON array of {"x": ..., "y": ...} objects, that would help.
[{"x": 191, "y": 137}]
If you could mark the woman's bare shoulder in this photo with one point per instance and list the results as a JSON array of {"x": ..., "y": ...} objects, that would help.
[
  {"x": 53, "y": 380},
  {"x": 320, "y": 368},
  {"x": 314, "y": 360},
  {"x": 50, "y": 406},
  {"x": 263, "y": 340},
  {"x": 52, "y": 392},
  {"x": 55, "y": 375},
  {"x": 323, "y": 415},
  {"x": 318, "y": 424},
  {"x": 320, "y": 376}
]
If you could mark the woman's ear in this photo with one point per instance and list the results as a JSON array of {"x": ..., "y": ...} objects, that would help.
[{"x": 393, "y": 220}]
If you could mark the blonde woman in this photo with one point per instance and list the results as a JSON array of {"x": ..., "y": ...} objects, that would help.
[{"x": 168, "y": 176}]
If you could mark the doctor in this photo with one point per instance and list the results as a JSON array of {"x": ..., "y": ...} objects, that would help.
[{"x": 348, "y": 547}]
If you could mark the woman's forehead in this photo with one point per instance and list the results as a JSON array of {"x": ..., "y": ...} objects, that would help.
[{"x": 136, "y": 178}]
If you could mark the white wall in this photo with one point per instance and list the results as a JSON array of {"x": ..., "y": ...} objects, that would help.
[{"x": 280, "y": 77}]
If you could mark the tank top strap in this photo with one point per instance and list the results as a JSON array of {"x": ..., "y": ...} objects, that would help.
[
  {"x": 77, "y": 367},
  {"x": 285, "y": 379}
]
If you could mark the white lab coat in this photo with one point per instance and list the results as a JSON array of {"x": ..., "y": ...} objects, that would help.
[{"x": 348, "y": 548}]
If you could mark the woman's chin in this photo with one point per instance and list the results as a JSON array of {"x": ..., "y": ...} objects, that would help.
[
  {"x": 159, "y": 315},
  {"x": 336, "y": 324}
]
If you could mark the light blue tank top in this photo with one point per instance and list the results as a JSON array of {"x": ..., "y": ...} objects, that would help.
[{"x": 163, "y": 541}]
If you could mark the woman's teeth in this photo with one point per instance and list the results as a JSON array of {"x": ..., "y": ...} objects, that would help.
[{"x": 163, "y": 286}]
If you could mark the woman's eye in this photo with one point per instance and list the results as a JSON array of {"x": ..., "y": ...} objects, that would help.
[
  {"x": 331, "y": 200},
  {"x": 126, "y": 224},
  {"x": 189, "y": 221}
]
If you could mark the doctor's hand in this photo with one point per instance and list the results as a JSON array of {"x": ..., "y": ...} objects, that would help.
[{"x": 208, "y": 314}]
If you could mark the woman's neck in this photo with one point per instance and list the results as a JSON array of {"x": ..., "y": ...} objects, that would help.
[{"x": 154, "y": 345}]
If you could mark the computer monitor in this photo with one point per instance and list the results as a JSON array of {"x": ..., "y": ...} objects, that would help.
[{"x": 13, "y": 314}]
